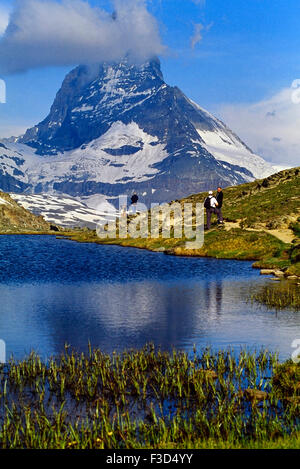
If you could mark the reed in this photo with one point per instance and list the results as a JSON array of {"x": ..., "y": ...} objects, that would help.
[{"x": 149, "y": 398}]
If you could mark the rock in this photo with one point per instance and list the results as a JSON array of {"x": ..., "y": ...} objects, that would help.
[
  {"x": 170, "y": 252},
  {"x": 267, "y": 272},
  {"x": 277, "y": 273},
  {"x": 292, "y": 277},
  {"x": 255, "y": 395}
]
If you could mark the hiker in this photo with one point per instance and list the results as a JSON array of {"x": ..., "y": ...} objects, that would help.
[
  {"x": 134, "y": 199},
  {"x": 219, "y": 198},
  {"x": 211, "y": 205}
]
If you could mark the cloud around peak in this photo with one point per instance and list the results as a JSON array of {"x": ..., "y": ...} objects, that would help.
[{"x": 45, "y": 33}]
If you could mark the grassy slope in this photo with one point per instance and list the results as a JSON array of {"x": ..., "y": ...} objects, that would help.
[
  {"x": 266, "y": 206},
  {"x": 252, "y": 212},
  {"x": 269, "y": 203},
  {"x": 14, "y": 219}
]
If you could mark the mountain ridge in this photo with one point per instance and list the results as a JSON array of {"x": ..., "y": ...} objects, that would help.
[{"x": 115, "y": 128}]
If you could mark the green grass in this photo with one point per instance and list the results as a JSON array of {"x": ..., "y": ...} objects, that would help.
[
  {"x": 242, "y": 245},
  {"x": 150, "y": 399},
  {"x": 296, "y": 228}
]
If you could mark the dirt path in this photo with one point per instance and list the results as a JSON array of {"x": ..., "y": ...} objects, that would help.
[
  {"x": 230, "y": 225},
  {"x": 284, "y": 235}
]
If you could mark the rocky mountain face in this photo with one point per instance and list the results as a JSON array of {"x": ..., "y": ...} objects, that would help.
[
  {"x": 14, "y": 218},
  {"x": 115, "y": 128}
]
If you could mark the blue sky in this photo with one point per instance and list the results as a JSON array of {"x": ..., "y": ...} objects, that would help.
[{"x": 241, "y": 66}]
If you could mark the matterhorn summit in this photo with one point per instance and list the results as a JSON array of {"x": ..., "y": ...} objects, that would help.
[{"x": 118, "y": 127}]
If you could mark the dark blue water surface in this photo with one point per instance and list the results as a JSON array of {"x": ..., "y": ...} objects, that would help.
[{"x": 54, "y": 292}]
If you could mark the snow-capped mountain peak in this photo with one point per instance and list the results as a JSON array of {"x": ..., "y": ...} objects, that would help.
[{"x": 115, "y": 128}]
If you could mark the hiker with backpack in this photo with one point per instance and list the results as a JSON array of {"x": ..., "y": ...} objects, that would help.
[{"x": 210, "y": 205}]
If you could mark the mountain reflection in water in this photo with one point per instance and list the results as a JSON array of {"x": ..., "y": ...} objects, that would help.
[{"x": 55, "y": 292}]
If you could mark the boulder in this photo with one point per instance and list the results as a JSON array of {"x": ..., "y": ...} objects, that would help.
[{"x": 278, "y": 273}]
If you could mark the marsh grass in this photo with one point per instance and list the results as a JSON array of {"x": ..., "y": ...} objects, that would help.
[
  {"x": 146, "y": 399},
  {"x": 282, "y": 295}
]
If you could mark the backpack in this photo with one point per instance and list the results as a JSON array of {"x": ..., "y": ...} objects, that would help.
[{"x": 207, "y": 203}]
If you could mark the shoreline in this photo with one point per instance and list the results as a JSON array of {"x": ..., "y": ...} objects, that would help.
[
  {"x": 255, "y": 214},
  {"x": 177, "y": 251}
]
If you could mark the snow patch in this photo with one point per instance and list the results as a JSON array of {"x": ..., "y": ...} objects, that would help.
[
  {"x": 4, "y": 202},
  {"x": 84, "y": 108},
  {"x": 225, "y": 147},
  {"x": 91, "y": 162},
  {"x": 63, "y": 210}
]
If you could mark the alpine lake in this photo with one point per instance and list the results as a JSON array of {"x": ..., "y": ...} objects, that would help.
[{"x": 55, "y": 292}]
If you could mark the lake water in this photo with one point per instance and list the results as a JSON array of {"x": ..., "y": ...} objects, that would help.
[{"x": 54, "y": 292}]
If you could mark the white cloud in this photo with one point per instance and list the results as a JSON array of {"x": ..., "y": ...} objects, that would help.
[
  {"x": 270, "y": 127},
  {"x": 49, "y": 32},
  {"x": 4, "y": 19},
  {"x": 197, "y": 37}
]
